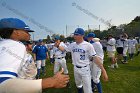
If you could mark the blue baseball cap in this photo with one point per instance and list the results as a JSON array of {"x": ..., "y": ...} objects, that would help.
[
  {"x": 91, "y": 35},
  {"x": 79, "y": 31},
  {"x": 57, "y": 37},
  {"x": 14, "y": 23},
  {"x": 40, "y": 40}
]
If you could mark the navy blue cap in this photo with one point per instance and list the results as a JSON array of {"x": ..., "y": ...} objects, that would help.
[
  {"x": 79, "y": 31},
  {"x": 40, "y": 40},
  {"x": 91, "y": 35},
  {"x": 14, "y": 23},
  {"x": 57, "y": 37}
]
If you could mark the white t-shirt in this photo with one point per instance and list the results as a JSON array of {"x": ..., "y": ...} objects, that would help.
[
  {"x": 81, "y": 53},
  {"x": 111, "y": 45},
  {"x": 11, "y": 55}
]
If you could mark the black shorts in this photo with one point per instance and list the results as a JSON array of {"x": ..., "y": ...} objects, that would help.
[{"x": 120, "y": 50}]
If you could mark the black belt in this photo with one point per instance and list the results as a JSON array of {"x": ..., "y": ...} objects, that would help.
[
  {"x": 60, "y": 58},
  {"x": 81, "y": 66}
]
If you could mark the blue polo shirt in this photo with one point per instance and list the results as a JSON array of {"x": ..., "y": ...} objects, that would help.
[{"x": 40, "y": 51}]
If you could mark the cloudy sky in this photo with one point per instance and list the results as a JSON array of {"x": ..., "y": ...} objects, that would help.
[{"x": 63, "y": 16}]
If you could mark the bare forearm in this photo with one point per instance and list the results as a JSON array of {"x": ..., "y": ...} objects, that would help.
[
  {"x": 104, "y": 74},
  {"x": 47, "y": 83},
  {"x": 98, "y": 62}
]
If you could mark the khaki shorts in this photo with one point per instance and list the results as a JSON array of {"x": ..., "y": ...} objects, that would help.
[
  {"x": 21, "y": 86},
  {"x": 111, "y": 53}
]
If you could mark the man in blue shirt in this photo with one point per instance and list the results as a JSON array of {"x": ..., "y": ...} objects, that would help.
[{"x": 40, "y": 54}]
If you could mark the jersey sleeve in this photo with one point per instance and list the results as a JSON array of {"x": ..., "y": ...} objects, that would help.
[
  {"x": 67, "y": 48},
  {"x": 63, "y": 45},
  {"x": 91, "y": 50}
]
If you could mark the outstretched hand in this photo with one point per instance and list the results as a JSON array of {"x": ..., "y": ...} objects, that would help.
[{"x": 60, "y": 80}]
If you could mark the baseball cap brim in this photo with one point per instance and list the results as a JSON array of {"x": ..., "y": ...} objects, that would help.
[
  {"x": 28, "y": 29},
  {"x": 77, "y": 34}
]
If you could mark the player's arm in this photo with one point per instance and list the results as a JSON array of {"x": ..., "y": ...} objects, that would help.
[
  {"x": 47, "y": 55},
  {"x": 59, "y": 80},
  {"x": 62, "y": 48},
  {"x": 34, "y": 56},
  {"x": 98, "y": 62}
]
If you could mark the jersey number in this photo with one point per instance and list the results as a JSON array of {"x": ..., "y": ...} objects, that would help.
[{"x": 82, "y": 57}]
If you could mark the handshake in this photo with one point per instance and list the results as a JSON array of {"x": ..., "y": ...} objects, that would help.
[{"x": 59, "y": 80}]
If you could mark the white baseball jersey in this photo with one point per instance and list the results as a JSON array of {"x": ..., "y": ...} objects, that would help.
[
  {"x": 98, "y": 49},
  {"x": 132, "y": 42},
  {"x": 51, "y": 53},
  {"x": 28, "y": 68},
  {"x": 111, "y": 45},
  {"x": 119, "y": 43},
  {"x": 81, "y": 53},
  {"x": 60, "y": 61},
  {"x": 125, "y": 43},
  {"x": 11, "y": 56},
  {"x": 95, "y": 70},
  {"x": 58, "y": 53}
]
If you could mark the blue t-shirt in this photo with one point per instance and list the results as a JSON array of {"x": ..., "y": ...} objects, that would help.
[{"x": 40, "y": 51}]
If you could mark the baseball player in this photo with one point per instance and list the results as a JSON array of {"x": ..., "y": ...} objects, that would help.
[
  {"x": 111, "y": 51},
  {"x": 95, "y": 70},
  {"x": 51, "y": 55},
  {"x": 13, "y": 54},
  {"x": 40, "y": 54},
  {"x": 132, "y": 47},
  {"x": 82, "y": 52},
  {"x": 119, "y": 48},
  {"x": 28, "y": 68},
  {"x": 125, "y": 47},
  {"x": 59, "y": 56}
]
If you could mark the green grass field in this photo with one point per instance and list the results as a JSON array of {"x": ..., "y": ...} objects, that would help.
[{"x": 125, "y": 79}]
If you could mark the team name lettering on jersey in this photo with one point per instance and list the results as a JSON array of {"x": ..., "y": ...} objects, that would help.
[{"x": 78, "y": 50}]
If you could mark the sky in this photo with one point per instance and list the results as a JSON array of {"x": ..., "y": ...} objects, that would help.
[{"x": 49, "y": 17}]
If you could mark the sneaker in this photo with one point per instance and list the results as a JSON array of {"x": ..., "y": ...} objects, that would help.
[
  {"x": 125, "y": 62},
  {"x": 116, "y": 65},
  {"x": 110, "y": 66}
]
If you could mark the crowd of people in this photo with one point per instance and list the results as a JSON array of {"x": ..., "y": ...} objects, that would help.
[{"x": 19, "y": 70}]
